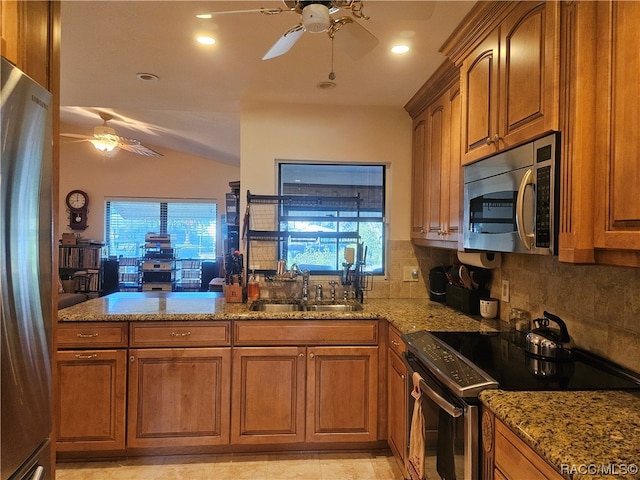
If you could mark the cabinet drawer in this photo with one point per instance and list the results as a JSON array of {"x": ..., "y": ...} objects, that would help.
[
  {"x": 91, "y": 335},
  {"x": 179, "y": 334},
  {"x": 306, "y": 332},
  {"x": 395, "y": 341}
]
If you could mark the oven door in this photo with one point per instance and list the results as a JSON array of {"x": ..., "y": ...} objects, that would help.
[{"x": 451, "y": 448}]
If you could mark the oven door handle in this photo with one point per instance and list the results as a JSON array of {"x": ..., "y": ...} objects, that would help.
[{"x": 451, "y": 409}]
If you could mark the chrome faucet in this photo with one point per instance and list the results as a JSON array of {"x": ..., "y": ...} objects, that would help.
[
  {"x": 305, "y": 285},
  {"x": 333, "y": 284}
]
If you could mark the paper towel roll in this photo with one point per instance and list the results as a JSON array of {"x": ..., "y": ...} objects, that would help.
[{"x": 481, "y": 259}]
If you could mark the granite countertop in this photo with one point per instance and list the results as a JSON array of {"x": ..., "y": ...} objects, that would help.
[
  {"x": 582, "y": 434},
  {"x": 405, "y": 314}
]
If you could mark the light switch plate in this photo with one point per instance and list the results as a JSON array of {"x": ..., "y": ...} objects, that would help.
[
  {"x": 410, "y": 274},
  {"x": 505, "y": 291}
]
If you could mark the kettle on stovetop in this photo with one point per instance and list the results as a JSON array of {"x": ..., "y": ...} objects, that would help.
[{"x": 546, "y": 342}]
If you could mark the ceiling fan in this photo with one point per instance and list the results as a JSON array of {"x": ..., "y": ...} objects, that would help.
[
  {"x": 316, "y": 17},
  {"x": 106, "y": 141}
]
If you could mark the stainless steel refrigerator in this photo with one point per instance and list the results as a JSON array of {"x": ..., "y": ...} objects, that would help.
[{"x": 26, "y": 238}]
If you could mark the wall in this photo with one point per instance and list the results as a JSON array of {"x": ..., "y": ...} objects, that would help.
[
  {"x": 380, "y": 135},
  {"x": 599, "y": 304},
  {"x": 175, "y": 175}
]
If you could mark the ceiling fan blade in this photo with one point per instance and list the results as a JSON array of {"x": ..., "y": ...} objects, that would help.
[
  {"x": 284, "y": 43},
  {"x": 134, "y": 146},
  {"x": 76, "y": 135},
  {"x": 355, "y": 40},
  {"x": 266, "y": 11}
]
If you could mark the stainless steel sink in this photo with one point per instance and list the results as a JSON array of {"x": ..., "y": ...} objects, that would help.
[
  {"x": 333, "y": 307},
  {"x": 303, "y": 306},
  {"x": 261, "y": 306}
]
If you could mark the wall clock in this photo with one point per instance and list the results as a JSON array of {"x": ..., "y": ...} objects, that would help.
[{"x": 77, "y": 205}]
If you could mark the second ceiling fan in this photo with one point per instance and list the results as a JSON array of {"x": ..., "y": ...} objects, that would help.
[{"x": 316, "y": 17}]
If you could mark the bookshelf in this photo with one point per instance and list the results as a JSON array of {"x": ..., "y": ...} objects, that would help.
[{"x": 82, "y": 263}]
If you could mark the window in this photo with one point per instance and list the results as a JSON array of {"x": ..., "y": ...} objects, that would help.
[
  {"x": 367, "y": 218},
  {"x": 192, "y": 226}
]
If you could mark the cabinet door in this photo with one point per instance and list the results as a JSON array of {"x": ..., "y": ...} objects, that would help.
[
  {"x": 179, "y": 397},
  {"x": 268, "y": 395},
  {"x": 418, "y": 177},
  {"x": 397, "y": 407},
  {"x": 342, "y": 394},
  {"x": 91, "y": 391},
  {"x": 529, "y": 75},
  {"x": 479, "y": 78},
  {"x": 437, "y": 146},
  {"x": 617, "y": 173}
]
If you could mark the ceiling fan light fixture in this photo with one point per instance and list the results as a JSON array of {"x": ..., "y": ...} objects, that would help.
[
  {"x": 104, "y": 145},
  {"x": 316, "y": 18}
]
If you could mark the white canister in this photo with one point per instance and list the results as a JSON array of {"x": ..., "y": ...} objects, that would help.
[{"x": 489, "y": 307}]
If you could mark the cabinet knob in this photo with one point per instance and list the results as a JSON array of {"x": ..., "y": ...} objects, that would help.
[
  {"x": 132, "y": 358},
  {"x": 311, "y": 355},
  {"x": 301, "y": 354},
  {"x": 403, "y": 377}
]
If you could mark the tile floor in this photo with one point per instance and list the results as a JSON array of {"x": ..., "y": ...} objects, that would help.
[{"x": 303, "y": 466}]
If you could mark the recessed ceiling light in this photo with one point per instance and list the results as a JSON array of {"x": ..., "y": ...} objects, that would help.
[
  {"x": 205, "y": 40},
  {"x": 400, "y": 48},
  {"x": 148, "y": 77},
  {"x": 326, "y": 85}
]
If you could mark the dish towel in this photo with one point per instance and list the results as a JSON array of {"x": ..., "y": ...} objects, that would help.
[{"x": 415, "y": 463}]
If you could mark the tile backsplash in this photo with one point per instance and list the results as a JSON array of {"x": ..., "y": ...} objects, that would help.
[{"x": 599, "y": 304}]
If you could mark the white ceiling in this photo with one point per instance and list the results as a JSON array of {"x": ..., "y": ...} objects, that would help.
[{"x": 195, "y": 106}]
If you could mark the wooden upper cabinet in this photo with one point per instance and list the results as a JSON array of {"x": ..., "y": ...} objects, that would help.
[
  {"x": 418, "y": 177},
  {"x": 436, "y": 160},
  {"x": 479, "y": 78},
  {"x": 617, "y": 171},
  {"x": 510, "y": 81},
  {"x": 26, "y": 37}
]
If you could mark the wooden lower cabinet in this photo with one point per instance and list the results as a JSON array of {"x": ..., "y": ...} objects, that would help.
[
  {"x": 304, "y": 394},
  {"x": 92, "y": 386},
  {"x": 342, "y": 394},
  {"x": 397, "y": 407},
  {"x": 507, "y": 457},
  {"x": 178, "y": 397}
]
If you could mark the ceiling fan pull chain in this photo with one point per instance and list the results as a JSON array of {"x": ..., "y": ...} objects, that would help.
[{"x": 332, "y": 75}]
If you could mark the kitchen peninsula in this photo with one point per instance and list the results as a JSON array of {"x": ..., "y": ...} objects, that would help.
[{"x": 153, "y": 372}]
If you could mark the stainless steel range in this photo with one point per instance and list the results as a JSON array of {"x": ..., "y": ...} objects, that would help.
[{"x": 454, "y": 367}]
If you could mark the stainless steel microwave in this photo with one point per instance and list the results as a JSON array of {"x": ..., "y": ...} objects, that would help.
[{"x": 511, "y": 199}]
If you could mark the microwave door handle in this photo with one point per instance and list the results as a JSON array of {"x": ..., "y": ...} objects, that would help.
[
  {"x": 452, "y": 410},
  {"x": 526, "y": 238}
]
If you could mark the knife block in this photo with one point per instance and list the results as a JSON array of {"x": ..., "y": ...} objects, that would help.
[{"x": 233, "y": 293}]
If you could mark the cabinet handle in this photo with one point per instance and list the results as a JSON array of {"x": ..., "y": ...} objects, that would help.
[
  {"x": 395, "y": 343},
  {"x": 86, "y": 357},
  {"x": 180, "y": 334},
  {"x": 87, "y": 335},
  {"x": 301, "y": 354}
]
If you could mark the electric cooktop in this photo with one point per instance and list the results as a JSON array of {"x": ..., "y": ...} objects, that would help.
[{"x": 502, "y": 356}]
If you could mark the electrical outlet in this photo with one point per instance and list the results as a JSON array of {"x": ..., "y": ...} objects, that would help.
[
  {"x": 410, "y": 274},
  {"x": 505, "y": 291}
]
